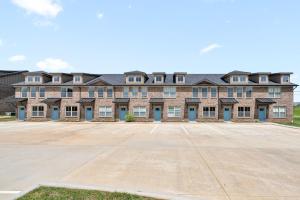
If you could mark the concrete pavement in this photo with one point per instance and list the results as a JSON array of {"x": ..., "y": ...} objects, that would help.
[{"x": 211, "y": 161}]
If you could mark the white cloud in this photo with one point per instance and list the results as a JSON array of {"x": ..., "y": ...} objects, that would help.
[
  {"x": 46, "y": 8},
  {"x": 17, "y": 58},
  {"x": 209, "y": 48},
  {"x": 53, "y": 65},
  {"x": 100, "y": 15}
]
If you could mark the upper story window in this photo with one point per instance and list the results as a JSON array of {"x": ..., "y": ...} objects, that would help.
[
  {"x": 30, "y": 79},
  {"x": 229, "y": 92},
  {"x": 195, "y": 92},
  {"x": 24, "y": 91},
  {"x": 77, "y": 79},
  {"x": 33, "y": 92},
  {"x": 131, "y": 79},
  {"x": 144, "y": 91},
  {"x": 204, "y": 92},
  {"x": 66, "y": 92},
  {"x": 37, "y": 79},
  {"x": 158, "y": 79},
  {"x": 239, "y": 92},
  {"x": 134, "y": 91},
  {"x": 180, "y": 79},
  {"x": 42, "y": 92},
  {"x": 125, "y": 92},
  {"x": 169, "y": 92},
  {"x": 239, "y": 79},
  {"x": 263, "y": 79},
  {"x": 138, "y": 79},
  {"x": 101, "y": 92},
  {"x": 56, "y": 79},
  {"x": 249, "y": 92},
  {"x": 274, "y": 92},
  {"x": 91, "y": 92},
  {"x": 33, "y": 79},
  {"x": 213, "y": 92},
  {"x": 109, "y": 91},
  {"x": 285, "y": 79}
]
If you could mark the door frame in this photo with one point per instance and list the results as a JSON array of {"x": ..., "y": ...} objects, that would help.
[
  {"x": 230, "y": 112},
  {"x": 154, "y": 107},
  {"x": 19, "y": 113},
  {"x": 195, "y": 110},
  {"x": 265, "y": 108},
  {"x": 58, "y": 112},
  {"x": 85, "y": 109}
]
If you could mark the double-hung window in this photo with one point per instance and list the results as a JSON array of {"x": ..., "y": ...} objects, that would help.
[
  {"x": 279, "y": 112},
  {"x": 29, "y": 79},
  {"x": 249, "y": 92},
  {"x": 37, "y": 111},
  {"x": 131, "y": 79},
  {"x": 24, "y": 91},
  {"x": 274, "y": 92},
  {"x": 230, "y": 92},
  {"x": 91, "y": 92},
  {"x": 144, "y": 92},
  {"x": 77, "y": 79},
  {"x": 243, "y": 111},
  {"x": 125, "y": 92},
  {"x": 169, "y": 92},
  {"x": 204, "y": 92},
  {"x": 174, "y": 111},
  {"x": 213, "y": 92},
  {"x": 138, "y": 79},
  {"x": 239, "y": 92},
  {"x": 56, "y": 79},
  {"x": 235, "y": 79},
  {"x": 42, "y": 92},
  {"x": 139, "y": 111},
  {"x": 209, "y": 111},
  {"x": 105, "y": 111},
  {"x": 71, "y": 111},
  {"x": 109, "y": 92},
  {"x": 263, "y": 78},
  {"x": 33, "y": 92},
  {"x": 66, "y": 92},
  {"x": 100, "y": 92},
  {"x": 285, "y": 78},
  {"x": 134, "y": 91},
  {"x": 37, "y": 79},
  {"x": 195, "y": 92}
]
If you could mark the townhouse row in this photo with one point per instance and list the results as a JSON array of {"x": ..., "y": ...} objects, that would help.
[{"x": 236, "y": 96}]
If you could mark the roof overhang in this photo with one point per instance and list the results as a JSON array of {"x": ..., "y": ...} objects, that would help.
[
  {"x": 265, "y": 101},
  {"x": 192, "y": 100},
  {"x": 156, "y": 100},
  {"x": 51, "y": 100},
  {"x": 86, "y": 100},
  {"x": 121, "y": 100},
  {"x": 228, "y": 101}
]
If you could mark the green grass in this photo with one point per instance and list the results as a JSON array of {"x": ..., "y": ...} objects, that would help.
[
  {"x": 4, "y": 118},
  {"x": 56, "y": 193},
  {"x": 296, "y": 119}
]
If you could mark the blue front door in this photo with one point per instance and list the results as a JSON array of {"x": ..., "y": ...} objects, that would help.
[
  {"x": 122, "y": 113},
  {"x": 88, "y": 114},
  {"x": 157, "y": 114},
  {"x": 55, "y": 113},
  {"x": 262, "y": 114},
  {"x": 227, "y": 114},
  {"x": 192, "y": 113},
  {"x": 21, "y": 113}
]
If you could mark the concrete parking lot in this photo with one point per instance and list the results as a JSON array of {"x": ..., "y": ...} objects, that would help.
[{"x": 211, "y": 161}]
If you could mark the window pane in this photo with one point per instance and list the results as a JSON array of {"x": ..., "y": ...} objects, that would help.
[
  {"x": 230, "y": 92},
  {"x": 204, "y": 92},
  {"x": 239, "y": 92},
  {"x": 213, "y": 92}
]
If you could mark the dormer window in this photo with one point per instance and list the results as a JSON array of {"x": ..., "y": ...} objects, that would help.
[
  {"x": 180, "y": 79},
  {"x": 138, "y": 79},
  {"x": 37, "y": 79},
  {"x": 131, "y": 79},
  {"x": 285, "y": 79},
  {"x": 30, "y": 79},
  {"x": 263, "y": 79},
  {"x": 56, "y": 79},
  {"x": 239, "y": 79},
  {"x": 242, "y": 78},
  {"x": 77, "y": 79},
  {"x": 158, "y": 79},
  {"x": 235, "y": 79}
]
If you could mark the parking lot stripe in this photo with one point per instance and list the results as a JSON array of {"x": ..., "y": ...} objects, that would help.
[
  {"x": 184, "y": 129},
  {"x": 154, "y": 128},
  {"x": 10, "y": 192}
]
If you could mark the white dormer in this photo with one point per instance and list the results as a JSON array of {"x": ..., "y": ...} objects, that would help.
[
  {"x": 239, "y": 79},
  {"x": 285, "y": 78},
  {"x": 56, "y": 79},
  {"x": 263, "y": 78},
  {"x": 180, "y": 77},
  {"x": 33, "y": 79},
  {"x": 77, "y": 79},
  {"x": 159, "y": 79}
]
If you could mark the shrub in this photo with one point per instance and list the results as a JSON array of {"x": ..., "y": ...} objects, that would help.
[{"x": 129, "y": 117}]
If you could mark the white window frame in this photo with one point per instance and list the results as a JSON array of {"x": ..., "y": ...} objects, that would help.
[
  {"x": 158, "y": 81},
  {"x": 211, "y": 93},
  {"x": 108, "y": 89},
  {"x": 30, "y": 79},
  {"x": 72, "y": 112},
  {"x": 44, "y": 92},
  {"x": 35, "y": 91},
  {"x": 243, "y": 112},
  {"x": 24, "y": 90},
  {"x": 138, "y": 79},
  {"x": 66, "y": 92},
  {"x": 105, "y": 111},
  {"x": 211, "y": 113},
  {"x": 56, "y": 79},
  {"x": 170, "y": 92},
  {"x": 272, "y": 93},
  {"x": 77, "y": 79},
  {"x": 232, "y": 92},
  {"x": 37, "y": 79},
  {"x": 174, "y": 111},
  {"x": 131, "y": 79},
  {"x": 249, "y": 88},
  {"x": 178, "y": 77},
  {"x": 139, "y": 111},
  {"x": 134, "y": 92},
  {"x": 237, "y": 93},
  {"x": 263, "y": 81},
  {"x": 202, "y": 92},
  {"x": 279, "y": 112},
  {"x": 195, "y": 94},
  {"x": 98, "y": 89},
  {"x": 144, "y": 92},
  {"x": 126, "y": 92},
  {"x": 91, "y": 92},
  {"x": 39, "y": 112},
  {"x": 285, "y": 76}
]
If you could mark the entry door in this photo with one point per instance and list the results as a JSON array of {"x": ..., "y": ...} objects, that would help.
[
  {"x": 88, "y": 114},
  {"x": 262, "y": 114},
  {"x": 157, "y": 113},
  {"x": 21, "y": 113},
  {"x": 122, "y": 113},
  {"x": 227, "y": 114},
  {"x": 192, "y": 113},
  {"x": 55, "y": 113}
]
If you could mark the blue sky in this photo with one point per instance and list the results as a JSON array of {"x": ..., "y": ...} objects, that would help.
[{"x": 200, "y": 36}]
